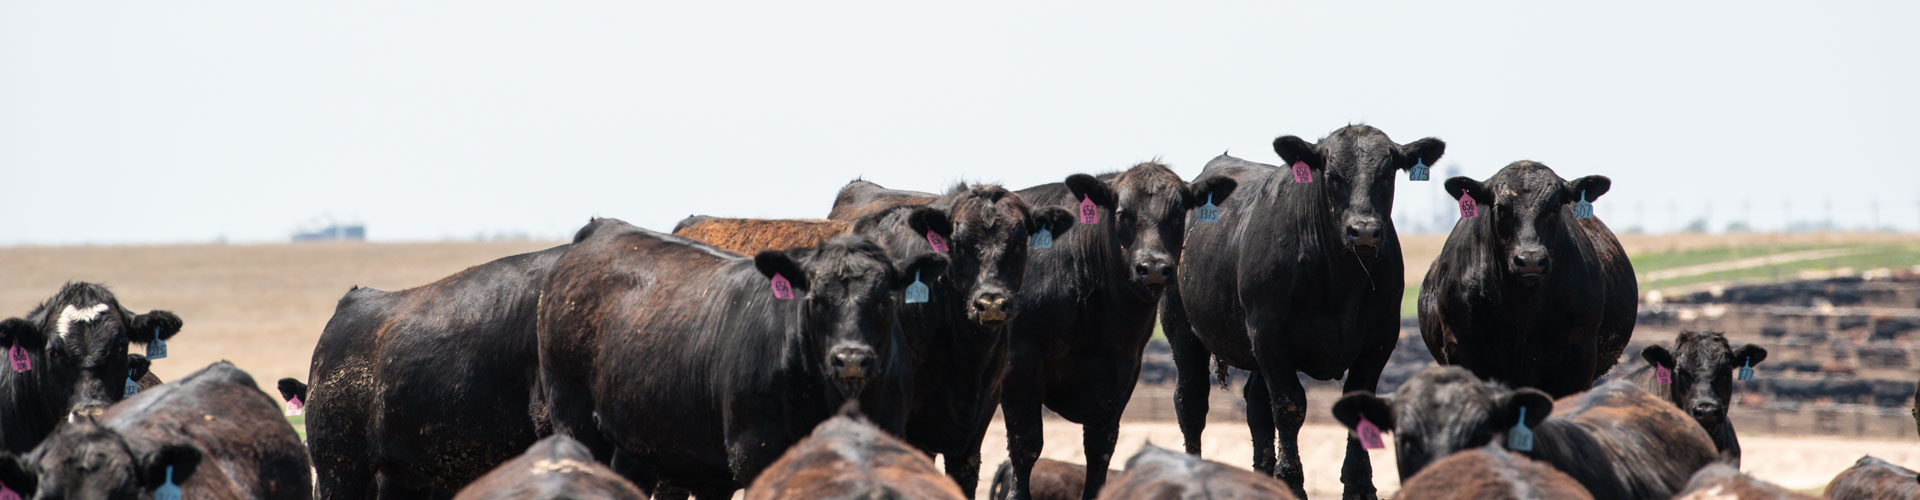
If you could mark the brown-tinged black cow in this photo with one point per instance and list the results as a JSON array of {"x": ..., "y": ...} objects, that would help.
[
  {"x": 68, "y": 358},
  {"x": 860, "y": 198},
  {"x": 212, "y": 434},
  {"x": 847, "y": 457},
  {"x": 1490, "y": 473},
  {"x": 1526, "y": 293},
  {"x": 1158, "y": 474},
  {"x": 1296, "y": 277},
  {"x": 555, "y": 468},
  {"x": 747, "y": 236},
  {"x": 1617, "y": 440},
  {"x": 1050, "y": 480},
  {"x": 687, "y": 365},
  {"x": 1874, "y": 479},
  {"x": 1721, "y": 481},
  {"x": 417, "y": 392},
  {"x": 1702, "y": 367}
]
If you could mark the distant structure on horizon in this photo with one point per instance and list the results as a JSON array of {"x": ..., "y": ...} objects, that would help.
[{"x": 330, "y": 230}]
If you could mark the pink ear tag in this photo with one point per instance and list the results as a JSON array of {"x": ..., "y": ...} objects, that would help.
[
  {"x": 939, "y": 244},
  {"x": 1369, "y": 435},
  {"x": 18, "y": 356},
  {"x": 7, "y": 493},
  {"x": 296, "y": 408},
  {"x": 1301, "y": 174},
  {"x": 1088, "y": 213},
  {"x": 782, "y": 289},
  {"x": 1661, "y": 374},
  {"x": 1468, "y": 209}
]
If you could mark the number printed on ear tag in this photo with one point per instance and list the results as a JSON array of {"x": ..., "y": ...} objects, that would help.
[
  {"x": 782, "y": 289},
  {"x": 1468, "y": 209},
  {"x": 1583, "y": 209},
  {"x": 1301, "y": 174},
  {"x": 917, "y": 292},
  {"x": 158, "y": 348},
  {"x": 18, "y": 357},
  {"x": 1520, "y": 438},
  {"x": 1369, "y": 435},
  {"x": 1089, "y": 214},
  {"x": 1208, "y": 212},
  {"x": 1660, "y": 374},
  {"x": 132, "y": 388},
  {"x": 939, "y": 244},
  {"x": 296, "y": 408},
  {"x": 1746, "y": 372},
  {"x": 7, "y": 493},
  {"x": 1419, "y": 170},
  {"x": 1042, "y": 239}
]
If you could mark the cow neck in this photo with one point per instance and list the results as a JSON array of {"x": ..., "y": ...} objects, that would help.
[{"x": 26, "y": 415}]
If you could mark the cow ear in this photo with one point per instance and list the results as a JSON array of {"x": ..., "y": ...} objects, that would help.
[
  {"x": 1457, "y": 185},
  {"x": 772, "y": 262},
  {"x": 291, "y": 388},
  {"x": 184, "y": 459},
  {"x": 927, "y": 266},
  {"x": 22, "y": 332},
  {"x": 1356, "y": 404},
  {"x": 1538, "y": 405},
  {"x": 1749, "y": 355},
  {"x": 1218, "y": 188},
  {"x": 1426, "y": 151},
  {"x": 1055, "y": 220},
  {"x": 154, "y": 324},
  {"x": 137, "y": 367},
  {"x": 925, "y": 219},
  {"x": 1593, "y": 185},
  {"x": 1293, "y": 148},
  {"x": 1658, "y": 355},
  {"x": 1087, "y": 186},
  {"x": 17, "y": 475}
]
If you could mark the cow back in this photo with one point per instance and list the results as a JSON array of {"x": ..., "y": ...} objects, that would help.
[
  {"x": 555, "y": 468},
  {"x": 1490, "y": 473},
  {"x": 1622, "y": 442},
  {"x": 248, "y": 448},
  {"x": 1871, "y": 478},
  {"x": 848, "y": 457},
  {"x": 1721, "y": 481},
  {"x": 1155, "y": 473},
  {"x": 748, "y": 236}
]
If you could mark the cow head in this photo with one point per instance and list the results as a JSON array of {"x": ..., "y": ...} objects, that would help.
[
  {"x": 1440, "y": 411},
  {"x": 846, "y": 290},
  {"x": 1530, "y": 207},
  {"x": 1149, "y": 205},
  {"x": 77, "y": 343},
  {"x": 1703, "y": 365},
  {"x": 1354, "y": 169},
  {"x": 988, "y": 241},
  {"x": 86, "y": 460}
]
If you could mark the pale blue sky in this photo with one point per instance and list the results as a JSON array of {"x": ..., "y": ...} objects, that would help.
[{"x": 170, "y": 122}]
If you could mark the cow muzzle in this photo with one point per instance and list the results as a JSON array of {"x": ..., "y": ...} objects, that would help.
[
  {"x": 88, "y": 411},
  {"x": 988, "y": 310},
  {"x": 1708, "y": 412},
  {"x": 1531, "y": 265},
  {"x": 1152, "y": 272},
  {"x": 851, "y": 366},
  {"x": 1364, "y": 235}
]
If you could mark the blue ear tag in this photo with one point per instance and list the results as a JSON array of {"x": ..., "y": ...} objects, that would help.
[
  {"x": 1419, "y": 171},
  {"x": 1208, "y": 212},
  {"x": 132, "y": 388},
  {"x": 917, "y": 292},
  {"x": 1746, "y": 372},
  {"x": 167, "y": 491},
  {"x": 1582, "y": 209},
  {"x": 1520, "y": 438},
  {"x": 1042, "y": 239},
  {"x": 158, "y": 348}
]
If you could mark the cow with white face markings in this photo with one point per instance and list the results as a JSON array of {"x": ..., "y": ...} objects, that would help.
[{"x": 67, "y": 358}]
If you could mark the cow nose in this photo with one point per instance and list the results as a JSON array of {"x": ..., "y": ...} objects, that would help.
[
  {"x": 1364, "y": 233},
  {"x": 91, "y": 411},
  {"x": 990, "y": 309},
  {"x": 1706, "y": 409},
  {"x": 1152, "y": 270},
  {"x": 852, "y": 362},
  {"x": 1530, "y": 262}
]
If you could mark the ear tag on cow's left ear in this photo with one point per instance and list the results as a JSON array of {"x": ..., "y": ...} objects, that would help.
[
  {"x": 296, "y": 408},
  {"x": 7, "y": 493},
  {"x": 1208, "y": 212},
  {"x": 1468, "y": 209},
  {"x": 158, "y": 348},
  {"x": 1661, "y": 375},
  {"x": 1419, "y": 170},
  {"x": 917, "y": 292},
  {"x": 132, "y": 388},
  {"x": 782, "y": 289},
  {"x": 1369, "y": 435},
  {"x": 1301, "y": 174},
  {"x": 1520, "y": 438},
  {"x": 939, "y": 244},
  {"x": 18, "y": 357},
  {"x": 1042, "y": 239},
  {"x": 1746, "y": 372},
  {"x": 1089, "y": 214},
  {"x": 167, "y": 491},
  {"x": 1583, "y": 209}
]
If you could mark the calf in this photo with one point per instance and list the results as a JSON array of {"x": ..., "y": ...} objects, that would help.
[
  {"x": 1526, "y": 293},
  {"x": 1490, "y": 473},
  {"x": 420, "y": 391},
  {"x": 1723, "y": 481},
  {"x": 1050, "y": 480},
  {"x": 848, "y": 457},
  {"x": 1702, "y": 365},
  {"x": 1156, "y": 474},
  {"x": 746, "y": 236},
  {"x": 211, "y": 434},
  {"x": 1617, "y": 440},
  {"x": 679, "y": 361},
  {"x": 68, "y": 358},
  {"x": 1874, "y": 479},
  {"x": 1296, "y": 278},
  {"x": 555, "y": 468}
]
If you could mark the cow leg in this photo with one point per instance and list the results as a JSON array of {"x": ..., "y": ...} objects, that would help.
[
  {"x": 965, "y": 470},
  {"x": 1260, "y": 422},
  {"x": 1020, "y": 408},
  {"x": 1098, "y": 440},
  {"x": 714, "y": 494},
  {"x": 1356, "y": 473},
  {"x": 1289, "y": 403},
  {"x": 1190, "y": 368}
]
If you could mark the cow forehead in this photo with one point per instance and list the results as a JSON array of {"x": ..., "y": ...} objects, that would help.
[{"x": 70, "y": 315}]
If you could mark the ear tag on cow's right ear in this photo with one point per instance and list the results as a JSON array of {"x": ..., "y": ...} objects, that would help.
[
  {"x": 1042, "y": 239},
  {"x": 158, "y": 348},
  {"x": 1746, "y": 372},
  {"x": 18, "y": 357},
  {"x": 1419, "y": 170},
  {"x": 1661, "y": 375},
  {"x": 296, "y": 408},
  {"x": 939, "y": 244},
  {"x": 167, "y": 491},
  {"x": 917, "y": 292},
  {"x": 1208, "y": 212},
  {"x": 1583, "y": 209},
  {"x": 1089, "y": 214},
  {"x": 132, "y": 388},
  {"x": 782, "y": 289},
  {"x": 1468, "y": 209},
  {"x": 1369, "y": 435},
  {"x": 1520, "y": 438},
  {"x": 1301, "y": 174}
]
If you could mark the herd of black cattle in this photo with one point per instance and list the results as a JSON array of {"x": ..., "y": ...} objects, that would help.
[{"x": 844, "y": 352}]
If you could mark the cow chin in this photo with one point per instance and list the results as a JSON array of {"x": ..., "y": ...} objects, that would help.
[{"x": 850, "y": 387}]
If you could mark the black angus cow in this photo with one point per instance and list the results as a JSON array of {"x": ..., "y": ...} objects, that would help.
[
  {"x": 1158, "y": 474},
  {"x": 1490, "y": 473},
  {"x": 1526, "y": 293},
  {"x": 1702, "y": 367},
  {"x": 212, "y": 434},
  {"x": 847, "y": 457},
  {"x": 1871, "y": 478},
  {"x": 683, "y": 363},
  {"x": 1617, "y": 440},
  {"x": 68, "y": 358},
  {"x": 956, "y": 340},
  {"x": 1721, "y": 481},
  {"x": 417, "y": 392},
  {"x": 1295, "y": 278},
  {"x": 555, "y": 468}
]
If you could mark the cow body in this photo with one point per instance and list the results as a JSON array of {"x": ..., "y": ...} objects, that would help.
[
  {"x": 848, "y": 457},
  {"x": 1526, "y": 293},
  {"x": 679, "y": 361},
  {"x": 746, "y": 236},
  {"x": 1295, "y": 278},
  {"x": 1155, "y": 474},
  {"x": 416, "y": 393},
  {"x": 1701, "y": 383},
  {"x": 554, "y": 468},
  {"x": 86, "y": 325},
  {"x": 221, "y": 437},
  {"x": 1874, "y": 479},
  {"x": 1721, "y": 481},
  {"x": 1490, "y": 473},
  {"x": 859, "y": 199}
]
